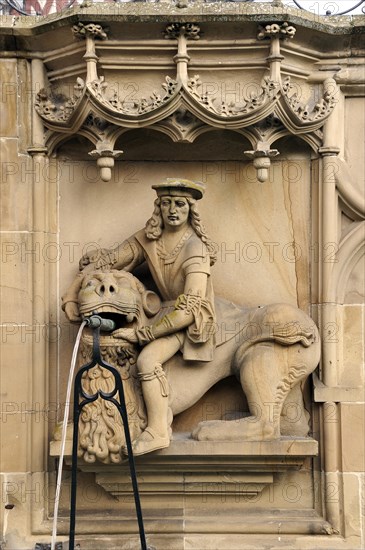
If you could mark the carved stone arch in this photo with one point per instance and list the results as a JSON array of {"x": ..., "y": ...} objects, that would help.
[
  {"x": 165, "y": 126},
  {"x": 312, "y": 140},
  {"x": 188, "y": 135},
  {"x": 234, "y": 144},
  {"x": 282, "y": 139},
  {"x": 350, "y": 251},
  {"x": 59, "y": 140},
  {"x": 205, "y": 129},
  {"x": 354, "y": 293},
  {"x": 182, "y": 131},
  {"x": 352, "y": 202}
]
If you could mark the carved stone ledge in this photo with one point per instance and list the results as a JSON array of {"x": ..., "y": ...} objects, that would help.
[
  {"x": 329, "y": 151},
  {"x": 37, "y": 150},
  {"x": 336, "y": 394},
  {"x": 206, "y": 481},
  {"x": 190, "y": 467},
  {"x": 250, "y": 453},
  {"x": 254, "y": 456}
]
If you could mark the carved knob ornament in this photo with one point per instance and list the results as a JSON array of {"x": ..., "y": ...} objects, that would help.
[
  {"x": 105, "y": 161},
  {"x": 261, "y": 160}
]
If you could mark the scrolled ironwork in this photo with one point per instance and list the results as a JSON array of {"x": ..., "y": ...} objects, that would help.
[
  {"x": 33, "y": 7},
  {"x": 329, "y": 4},
  {"x": 81, "y": 399},
  {"x": 13, "y": 6}
]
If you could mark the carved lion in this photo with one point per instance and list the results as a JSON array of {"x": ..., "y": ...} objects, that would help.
[{"x": 270, "y": 349}]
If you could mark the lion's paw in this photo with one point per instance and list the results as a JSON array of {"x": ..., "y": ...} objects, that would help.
[
  {"x": 211, "y": 430},
  {"x": 244, "y": 429}
]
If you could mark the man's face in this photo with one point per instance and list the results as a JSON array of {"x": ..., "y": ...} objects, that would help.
[{"x": 174, "y": 211}]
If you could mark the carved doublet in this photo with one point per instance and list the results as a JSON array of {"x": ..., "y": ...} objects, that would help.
[{"x": 169, "y": 270}]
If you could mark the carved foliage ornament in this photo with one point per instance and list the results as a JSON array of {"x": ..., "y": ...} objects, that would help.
[
  {"x": 90, "y": 30},
  {"x": 101, "y": 434},
  {"x": 99, "y": 90},
  {"x": 320, "y": 110},
  {"x": 269, "y": 91},
  {"x": 57, "y": 107},
  {"x": 181, "y": 126},
  {"x": 189, "y": 30},
  {"x": 283, "y": 30},
  {"x": 97, "y": 97}
]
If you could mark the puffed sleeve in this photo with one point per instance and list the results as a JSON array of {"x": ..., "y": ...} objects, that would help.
[
  {"x": 197, "y": 301},
  {"x": 197, "y": 264}
]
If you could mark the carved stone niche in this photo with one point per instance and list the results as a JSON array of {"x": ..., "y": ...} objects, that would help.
[
  {"x": 185, "y": 132},
  {"x": 244, "y": 472}
]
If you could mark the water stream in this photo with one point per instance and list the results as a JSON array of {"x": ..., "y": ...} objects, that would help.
[{"x": 64, "y": 433}]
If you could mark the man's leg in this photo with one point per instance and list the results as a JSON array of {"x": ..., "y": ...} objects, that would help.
[{"x": 155, "y": 393}]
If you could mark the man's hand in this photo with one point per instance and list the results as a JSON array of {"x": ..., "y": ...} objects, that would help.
[
  {"x": 128, "y": 334},
  {"x": 72, "y": 312},
  {"x": 103, "y": 257}
]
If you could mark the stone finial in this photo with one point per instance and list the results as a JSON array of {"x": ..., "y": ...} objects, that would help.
[
  {"x": 261, "y": 160},
  {"x": 105, "y": 160},
  {"x": 91, "y": 30},
  {"x": 283, "y": 30},
  {"x": 189, "y": 30}
]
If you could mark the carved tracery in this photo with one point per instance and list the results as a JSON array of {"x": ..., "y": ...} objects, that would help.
[{"x": 276, "y": 99}]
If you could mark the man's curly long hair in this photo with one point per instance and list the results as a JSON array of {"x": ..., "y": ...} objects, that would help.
[{"x": 154, "y": 227}]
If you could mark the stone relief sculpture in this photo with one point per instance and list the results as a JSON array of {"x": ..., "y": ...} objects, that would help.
[{"x": 171, "y": 352}]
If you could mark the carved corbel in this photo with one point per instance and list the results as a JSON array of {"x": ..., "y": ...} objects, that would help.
[
  {"x": 105, "y": 157},
  {"x": 90, "y": 33},
  {"x": 301, "y": 118},
  {"x": 182, "y": 32},
  {"x": 275, "y": 32},
  {"x": 57, "y": 109},
  {"x": 261, "y": 156}
]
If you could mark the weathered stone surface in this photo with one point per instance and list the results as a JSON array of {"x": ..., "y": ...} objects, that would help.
[
  {"x": 354, "y": 147},
  {"x": 15, "y": 187},
  {"x": 351, "y": 372},
  {"x": 8, "y": 99},
  {"x": 353, "y": 434},
  {"x": 17, "y": 256},
  {"x": 15, "y": 353},
  {"x": 355, "y": 293},
  {"x": 352, "y": 502},
  {"x": 15, "y": 434}
]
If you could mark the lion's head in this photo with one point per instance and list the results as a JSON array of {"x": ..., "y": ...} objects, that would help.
[{"x": 119, "y": 296}]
